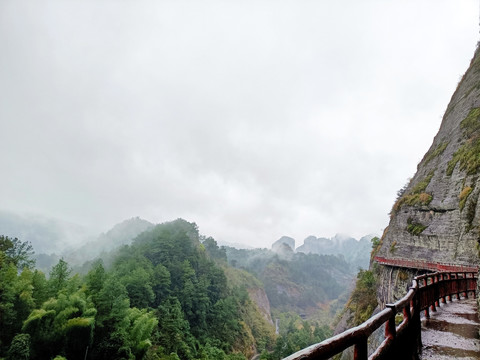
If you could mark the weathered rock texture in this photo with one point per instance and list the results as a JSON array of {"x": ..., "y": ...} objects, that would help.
[
  {"x": 259, "y": 297},
  {"x": 436, "y": 217}
]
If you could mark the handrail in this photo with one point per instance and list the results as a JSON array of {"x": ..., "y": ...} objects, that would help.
[{"x": 401, "y": 340}]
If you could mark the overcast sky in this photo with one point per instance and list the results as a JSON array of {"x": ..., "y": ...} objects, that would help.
[{"x": 254, "y": 119}]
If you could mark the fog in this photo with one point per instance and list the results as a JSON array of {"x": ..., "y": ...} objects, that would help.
[{"x": 254, "y": 119}]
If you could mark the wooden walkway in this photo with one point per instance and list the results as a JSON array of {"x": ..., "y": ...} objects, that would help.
[{"x": 452, "y": 332}]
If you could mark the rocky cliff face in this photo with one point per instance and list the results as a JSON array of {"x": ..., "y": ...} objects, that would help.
[
  {"x": 436, "y": 217},
  {"x": 259, "y": 297}
]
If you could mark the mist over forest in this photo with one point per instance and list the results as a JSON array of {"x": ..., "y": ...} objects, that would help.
[{"x": 132, "y": 291}]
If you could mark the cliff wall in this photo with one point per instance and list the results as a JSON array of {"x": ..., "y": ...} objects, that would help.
[{"x": 436, "y": 217}]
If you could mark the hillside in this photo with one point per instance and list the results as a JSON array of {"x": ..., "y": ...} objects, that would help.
[
  {"x": 298, "y": 282},
  {"x": 121, "y": 234},
  {"x": 90, "y": 248},
  {"x": 226, "y": 303},
  {"x": 163, "y": 297}
]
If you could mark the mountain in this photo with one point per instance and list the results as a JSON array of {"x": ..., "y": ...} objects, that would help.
[
  {"x": 296, "y": 282},
  {"x": 47, "y": 235},
  {"x": 54, "y": 239},
  {"x": 356, "y": 252},
  {"x": 280, "y": 244},
  {"x": 121, "y": 234}
]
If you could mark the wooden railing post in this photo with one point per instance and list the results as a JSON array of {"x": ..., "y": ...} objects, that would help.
[
  {"x": 443, "y": 288},
  {"x": 457, "y": 286},
  {"x": 416, "y": 325},
  {"x": 432, "y": 287},
  {"x": 360, "y": 351},
  {"x": 449, "y": 287},
  {"x": 407, "y": 314},
  {"x": 390, "y": 328}
]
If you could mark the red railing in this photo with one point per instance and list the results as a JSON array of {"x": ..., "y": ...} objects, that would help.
[
  {"x": 425, "y": 265},
  {"x": 403, "y": 340}
]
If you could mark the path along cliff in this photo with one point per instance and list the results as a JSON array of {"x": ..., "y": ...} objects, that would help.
[{"x": 452, "y": 332}]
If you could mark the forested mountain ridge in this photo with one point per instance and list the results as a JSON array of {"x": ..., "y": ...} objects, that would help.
[
  {"x": 163, "y": 298},
  {"x": 88, "y": 248},
  {"x": 121, "y": 234},
  {"x": 169, "y": 293}
]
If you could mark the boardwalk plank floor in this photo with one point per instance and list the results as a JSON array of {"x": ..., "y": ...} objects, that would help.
[{"x": 452, "y": 332}]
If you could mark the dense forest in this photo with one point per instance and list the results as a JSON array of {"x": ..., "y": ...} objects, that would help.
[{"x": 170, "y": 294}]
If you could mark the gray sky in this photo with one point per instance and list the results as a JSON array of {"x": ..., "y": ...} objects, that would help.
[{"x": 254, "y": 119}]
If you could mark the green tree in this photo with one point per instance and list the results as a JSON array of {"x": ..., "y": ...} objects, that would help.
[
  {"x": 58, "y": 277},
  {"x": 214, "y": 251},
  {"x": 8, "y": 316},
  {"x": 141, "y": 324},
  {"x": 224, "y": 323},
  {"x": 297, "y": 335},
  {"x": 110, "y": 335},
  {"x": 94, "y": 280},
  {"x": 40, "y": 288},
  {"x": 16, "y": 301},
  {"x": 19, "y": 348},
  {"x": 63, "y": 325},
  {"x": 174, "y": 331},
  {"x": 18, "y": 252},
  {"x": 363, "y": 299},
  {"x": 161, "y": 284}
]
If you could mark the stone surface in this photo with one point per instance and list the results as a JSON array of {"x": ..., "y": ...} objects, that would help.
[
  {"x": 259, "y": 297},
  {"x": 452, "y": 332}
]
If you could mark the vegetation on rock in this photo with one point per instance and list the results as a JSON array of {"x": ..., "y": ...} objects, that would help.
[
  {"x": 295, "y": 334},
  {"x": 417, "y": 196},
  {"x": 429, "y": 156},
  {"x": 363, "y": 299},
  {"x": 415, "y": 228},
  {"x": 376, "y": 245},
  {"x": 470, "y": 214},
  {"x": 464, "y": 196},
  {"x": 467, "y": 154}
]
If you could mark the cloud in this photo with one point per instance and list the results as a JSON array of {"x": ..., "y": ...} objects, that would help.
[{"x": 255, "y": 119}]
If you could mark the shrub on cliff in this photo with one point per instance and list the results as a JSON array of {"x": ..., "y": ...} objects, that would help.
[{"x": 364, "y": 297}]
